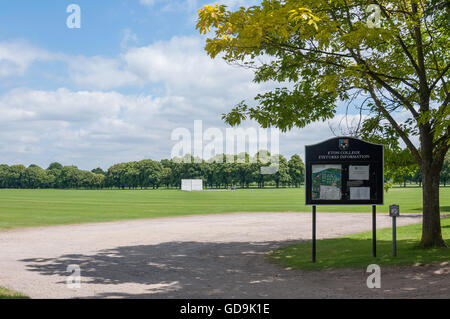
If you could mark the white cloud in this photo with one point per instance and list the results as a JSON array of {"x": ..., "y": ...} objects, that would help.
[
  {"x": 182, "y": 62},
  {"x": 93, "y": 125},
  {"x": 94, "y": 128},
  {"x": 172, "y": 5},
  {"x": 66, "y": 105},
  {"x": 180, "y": 65},
  {"x": 76, "y": 127},
  {"x": 17, "y": 56},
  {"x": 99, "y": 72},
  {"x": 90, "y": 127},
  {"x": 149, "y": 3},
  {"x": 128, "y": 36}
]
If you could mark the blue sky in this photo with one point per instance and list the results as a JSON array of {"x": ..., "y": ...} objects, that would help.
[
  {"x": 42, "y": 23},
  {"x": 107, "y": 26},
  {"x": 116, "y": 89}
]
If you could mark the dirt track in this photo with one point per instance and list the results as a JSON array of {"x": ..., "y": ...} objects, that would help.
[{"x": 216, "y": 256}]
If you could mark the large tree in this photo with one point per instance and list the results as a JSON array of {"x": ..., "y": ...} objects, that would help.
[
  {"x": 331, "y": 51},
  {"x": 445, "y": 173},
  {"x": 296, "y": 170}
]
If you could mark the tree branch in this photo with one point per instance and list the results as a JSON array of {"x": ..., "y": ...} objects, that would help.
[
  {"x": 400, "y": 40},
  {"x": 439, "y": 78},
  {"x": 394, "y": 124}
]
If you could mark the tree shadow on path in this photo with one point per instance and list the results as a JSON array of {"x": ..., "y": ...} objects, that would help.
[
  {"x": 202, "y": 270},
  {"x": 175, "y": 269}
]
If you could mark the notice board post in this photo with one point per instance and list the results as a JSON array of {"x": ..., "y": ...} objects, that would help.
[
  {"x": 314, "y": 223},
  {"x": 374, "y": 231},
  {"x": 344, "y": 171}
]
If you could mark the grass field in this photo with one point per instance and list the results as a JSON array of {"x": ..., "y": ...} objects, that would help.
[
  {"x": 355, "y": 251},
  {"x": 29, "y": 208}
]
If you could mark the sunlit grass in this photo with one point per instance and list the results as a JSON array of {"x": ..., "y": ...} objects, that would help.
[
  {"x": 8, "y": 294},
  {"x": 355, "y": 251},
  {"x": 29, "y": 208}
]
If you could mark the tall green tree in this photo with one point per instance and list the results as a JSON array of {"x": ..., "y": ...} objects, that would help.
[
  {"x": 166, "y": 177},
  {"x": 296, "y": 170},
  {"x": 131, "y": 175},
  {"x": 115, "y": 176},
  {"x": 151, "y": 172},
  {"x": 70, "y": 177},
  {"x": 34, "y": 177},
  {"x": 335, "y": 50},
  {"x": 97, "y": 181},
  {"x": 15, "y": 176},
  {"x": 445, "y": 173},
  {"x": 98, "y": 170},
  {"x": 282, "y": 174},
  {"x": 4, "y": 176},
  {"x": 55, "y": 165},
  {"x": 399, "y": 165}
]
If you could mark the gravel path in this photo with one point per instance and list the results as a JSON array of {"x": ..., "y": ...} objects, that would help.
[{"x": 215, "y": 256}]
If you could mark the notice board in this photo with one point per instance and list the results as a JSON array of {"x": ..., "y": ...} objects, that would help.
[{"x": 344, "y": 171}]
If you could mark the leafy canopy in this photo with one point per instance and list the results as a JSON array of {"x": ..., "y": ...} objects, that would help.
[{"x": 326, "y": 52}]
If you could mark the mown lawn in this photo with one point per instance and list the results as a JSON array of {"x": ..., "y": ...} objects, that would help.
[
  {"x": 8, "y": 294},
  {"x": 355, "y": 251},
  {"x": 29, "y": 208}
]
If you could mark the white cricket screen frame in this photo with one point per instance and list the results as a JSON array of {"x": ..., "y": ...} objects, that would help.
[{"x": 192, "y": 185}]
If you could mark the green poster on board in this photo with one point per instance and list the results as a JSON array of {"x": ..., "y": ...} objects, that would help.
[{"x": 326, "y": 182}]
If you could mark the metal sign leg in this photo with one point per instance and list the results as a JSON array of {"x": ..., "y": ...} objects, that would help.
[
  {"x": 314, "y": 234},
  {"x": 394, "y": 236},
  {"x": 374, "y": 231}
]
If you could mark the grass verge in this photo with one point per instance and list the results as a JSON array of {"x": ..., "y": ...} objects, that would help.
[
  {"x": 355, "y": 251},
  {"x": 8, "y": 294}
]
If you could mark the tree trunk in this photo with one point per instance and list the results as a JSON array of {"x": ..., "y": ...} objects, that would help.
[{"x": 431, "y": 228}]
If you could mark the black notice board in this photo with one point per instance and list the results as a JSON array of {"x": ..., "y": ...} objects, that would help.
[{"x": 344, "y": 171}]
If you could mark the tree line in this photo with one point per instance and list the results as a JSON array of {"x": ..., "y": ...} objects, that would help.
[
  {"x": 400, "y": 169},
  {"x": 220, "y": 172},
  {"x": 241, "y": 171}
]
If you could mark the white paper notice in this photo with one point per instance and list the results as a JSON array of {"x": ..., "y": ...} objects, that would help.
[
  {"x": 359, "y": 193},
  {"x": 358, "y": 173},
  {"x": 330, "y": 193}
]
